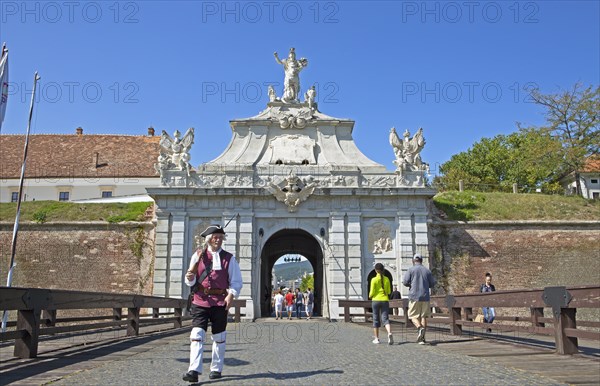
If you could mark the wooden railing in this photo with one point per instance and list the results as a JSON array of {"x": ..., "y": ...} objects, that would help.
[
  {"x": 563, "y": 301},
  {"x": 37, "y": 313}
]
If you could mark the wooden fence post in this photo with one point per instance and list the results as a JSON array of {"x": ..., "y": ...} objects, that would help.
[
  {"x": 454, "y": 315},
  {"x": 565, "y": 344},
  {"x": 558, "y": 298},
  {"x": 468, "y": 313},
  {"x": 407, "y": 321},
  {"x": 133, "y": 321},
  {"x": 178, "y": 321},
  {"x": 49, "y": 318},
  {"x": 536, "y": 313},
  {"x": 29, "y": 321}
]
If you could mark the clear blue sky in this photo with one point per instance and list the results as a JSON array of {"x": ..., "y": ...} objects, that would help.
[{"x": 457, "y": 69}]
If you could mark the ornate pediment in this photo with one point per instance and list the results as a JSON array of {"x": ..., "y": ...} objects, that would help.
[
  {"x": 292, "y": 150},
  {"x": 290, "y": 118}
]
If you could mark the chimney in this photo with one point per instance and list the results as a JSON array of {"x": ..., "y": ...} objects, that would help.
[
  {"x": 151, "y": 131},
  {"x": 79, "y": 131}
]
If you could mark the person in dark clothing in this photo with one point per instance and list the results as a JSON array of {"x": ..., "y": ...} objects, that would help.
[
  {"x": 489, "y": 314},
  {"x": 395, "y": 295}
]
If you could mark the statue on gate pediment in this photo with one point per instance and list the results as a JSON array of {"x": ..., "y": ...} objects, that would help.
[
  {"x": 407, "y": 151},
  {"x": 291, "y": 82},
  {"x": 175, "y": 152}
]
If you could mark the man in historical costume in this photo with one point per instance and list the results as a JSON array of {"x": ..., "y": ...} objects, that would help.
[{"x": 219, "y": 280}]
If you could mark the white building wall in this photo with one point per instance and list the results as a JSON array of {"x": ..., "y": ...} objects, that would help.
[{"x": 36, "y": 189}]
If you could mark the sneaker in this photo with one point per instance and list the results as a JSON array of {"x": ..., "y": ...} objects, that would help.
[
  {"x": 376, "y": 341},
  {"x": 214, "y": 375},
  {"x": 191, "y": 376},
  {"x": 422, "y": 341},
  {"x": 390, "y": 339},
  {"x": 421, "y": 335}
]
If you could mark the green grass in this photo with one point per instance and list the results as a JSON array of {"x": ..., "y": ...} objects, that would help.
[
  {"x": 49, "y": 211},
  {"x": 469, "y": 206}
]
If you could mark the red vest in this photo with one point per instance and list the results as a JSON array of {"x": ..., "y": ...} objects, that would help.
[{"x": 216, "y": 279}]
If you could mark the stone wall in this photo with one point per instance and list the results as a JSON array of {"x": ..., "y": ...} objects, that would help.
[
  {"x": 86, "y": 256},
  {"x": 518, "y": 254}
]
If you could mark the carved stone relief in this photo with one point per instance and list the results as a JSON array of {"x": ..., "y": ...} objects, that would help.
[
  {"x": 379, "y": 238},
  {"x": 291, "y": 191}
]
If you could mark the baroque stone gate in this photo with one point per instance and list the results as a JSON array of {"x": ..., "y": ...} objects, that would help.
[{"x": 292, "y": 180}]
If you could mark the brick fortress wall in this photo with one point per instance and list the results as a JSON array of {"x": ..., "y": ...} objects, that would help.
[
  {"x": 518, "y": 254},
  {"x": 86, "y": 256}
]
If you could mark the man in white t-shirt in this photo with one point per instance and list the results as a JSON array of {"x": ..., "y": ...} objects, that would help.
[{"x": 278, "y": 305}]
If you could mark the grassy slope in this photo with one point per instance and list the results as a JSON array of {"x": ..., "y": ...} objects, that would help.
[
  {"x": 463, "y": 206},
  {"x": 48, "y": 211},
  {"x": 468, "y": 206}
]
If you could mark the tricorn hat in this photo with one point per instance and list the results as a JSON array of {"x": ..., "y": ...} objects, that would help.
[{"x": 215, "y": 228}]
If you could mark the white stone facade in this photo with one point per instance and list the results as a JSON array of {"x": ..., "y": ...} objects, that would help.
[{"x": 294, "y": 181}]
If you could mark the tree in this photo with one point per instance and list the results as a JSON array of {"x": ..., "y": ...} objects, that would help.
[
  {"x": 573, "y": 119},
  {"x": 307, "y": 281},
  {"x": 528, "y": 158}
]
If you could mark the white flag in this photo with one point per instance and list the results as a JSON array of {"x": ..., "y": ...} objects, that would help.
[{"x": 3, "y": 85}]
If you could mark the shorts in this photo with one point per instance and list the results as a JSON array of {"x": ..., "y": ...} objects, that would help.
[
  {"x": 278, "y": 307},
  {"x": 290, "y": 308},
  {"x": 417, "y": 309},
  {"x": 217, "y": 315}
]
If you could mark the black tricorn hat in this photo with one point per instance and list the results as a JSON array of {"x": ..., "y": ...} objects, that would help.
[{"x": 215, "y": 228}]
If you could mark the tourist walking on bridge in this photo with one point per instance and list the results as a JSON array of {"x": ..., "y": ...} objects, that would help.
[
  {"x": 489, "y": 314},
  {"x": 216, "y": 279},
  {"x": 419, "y": 280},
  {"x": 379, "y": 291}
]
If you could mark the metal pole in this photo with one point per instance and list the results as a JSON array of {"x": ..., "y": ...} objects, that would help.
[{"x": 16, "y": 226}]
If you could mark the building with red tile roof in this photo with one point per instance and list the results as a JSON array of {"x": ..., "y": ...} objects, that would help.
[
  {"x": 73, "y": 167},
  {"x": 589, "y": 177}
]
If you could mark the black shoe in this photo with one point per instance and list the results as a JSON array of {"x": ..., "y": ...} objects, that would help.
[
  {"x": 191, "y": 376},
  {"x": 214, "y": 375}
]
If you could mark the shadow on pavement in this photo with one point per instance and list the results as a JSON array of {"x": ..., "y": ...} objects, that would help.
[{"x": 16, "y": 369}]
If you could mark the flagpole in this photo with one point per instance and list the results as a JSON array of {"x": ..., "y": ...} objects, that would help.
[
  {"x": 16, "y": 226},
  {"x": 3, "y": 82}
]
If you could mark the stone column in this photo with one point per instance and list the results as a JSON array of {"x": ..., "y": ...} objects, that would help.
[
  {"x": 334, "y": 265},
  {"x": 162, "y": 250},
  {"x": 405, "y": 246},
  {"x": 247, "y": 260},
  {"x": 178, "y": 260},
  {"x": 354, "y": 263}
]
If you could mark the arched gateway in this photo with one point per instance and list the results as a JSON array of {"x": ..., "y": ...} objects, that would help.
[{"x": 293, "y": 181}]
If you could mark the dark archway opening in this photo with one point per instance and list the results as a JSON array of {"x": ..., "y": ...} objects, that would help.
[{"x": 290, "y": 241}]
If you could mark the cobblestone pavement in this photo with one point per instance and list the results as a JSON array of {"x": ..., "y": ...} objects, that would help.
[{"x": 304, "y": 352}]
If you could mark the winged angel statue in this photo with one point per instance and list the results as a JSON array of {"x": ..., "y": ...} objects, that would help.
[
  {"x": 407, "y": 151},
  {"x": 174, "y": 152},
  {"x": 293, "y": 193}
]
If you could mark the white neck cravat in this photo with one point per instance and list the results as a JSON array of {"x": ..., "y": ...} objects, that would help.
[{"x": 216, "y": 265}]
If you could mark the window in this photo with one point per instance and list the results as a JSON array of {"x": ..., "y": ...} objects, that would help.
[
  {"x": 594, "y": 181},
  {"x": 63, "y": 196},
  {"x": 596, "y": 195},
  {"x": 14, "y": 197},
  {"x": 106, "y": 194}
]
